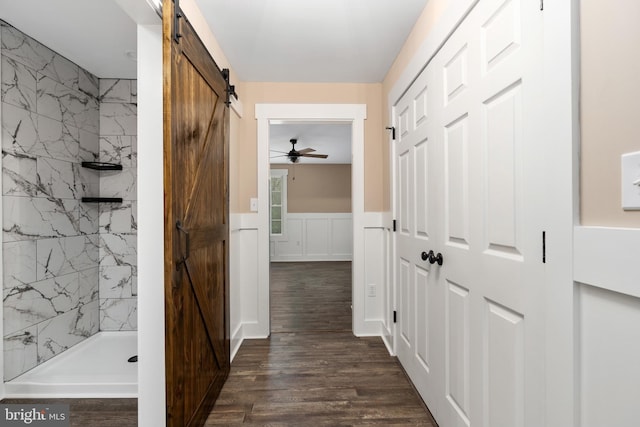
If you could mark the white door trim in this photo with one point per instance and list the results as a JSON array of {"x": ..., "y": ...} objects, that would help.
[{"x": 355, "y": 114}]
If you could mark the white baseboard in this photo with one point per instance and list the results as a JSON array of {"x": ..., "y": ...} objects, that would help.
[
  {"x": 236, "y": 341},
  {"x": 368, "y": 328}
]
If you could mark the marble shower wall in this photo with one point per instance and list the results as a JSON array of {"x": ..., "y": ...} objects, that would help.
[
  {"x": 118, "y": 223},
  {"x": 51, "y": 240}
]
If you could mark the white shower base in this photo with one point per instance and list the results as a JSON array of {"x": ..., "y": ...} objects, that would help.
[{"x": 97, "y": 367}]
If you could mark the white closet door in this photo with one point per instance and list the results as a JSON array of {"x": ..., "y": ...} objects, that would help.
[
  {"x": 420, "y": 336},
  {"x": 484, "y": 317}
]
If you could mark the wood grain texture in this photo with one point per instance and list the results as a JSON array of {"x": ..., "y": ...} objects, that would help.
[
  {"x": 196, "y": 129},
  {"x": 95, "y": 412},
  {"x": 312, "y": 371},
  {"x": 310, "y": 296},
  {"x": 317, "y": 379}
]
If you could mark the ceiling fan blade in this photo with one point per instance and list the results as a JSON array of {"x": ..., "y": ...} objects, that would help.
[
  {"x": 317, "y": 156},
  {"x": 278, "y": 151},
  {"x": 273, "y": 157},
  {"x": 306, "y": 150}
]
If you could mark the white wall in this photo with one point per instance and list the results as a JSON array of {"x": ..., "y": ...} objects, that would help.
[
  {"x": 245, "y": 292},
  {"x": 607, "y": 287},
  {"x": 151, "y": 346},
  {"x": 249, "y": 298},
  {"x": 314, "y": 237}
]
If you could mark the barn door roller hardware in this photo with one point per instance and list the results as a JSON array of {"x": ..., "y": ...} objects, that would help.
[
  {"x": 177, "y": 14},
  {"x": 231, "y": 89}
]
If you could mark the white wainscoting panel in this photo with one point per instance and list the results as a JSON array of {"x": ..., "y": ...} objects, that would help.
[
  {"x": 609, "y": 336},
  {"x": 608, "y": 257},
  {"x": 314, "y": 237},
  {"x": 374, "y": 274},
  {"x": 607, "y": 276},
  {"x": 244, "y": 290},
  {"x": 247, "y": 297}
]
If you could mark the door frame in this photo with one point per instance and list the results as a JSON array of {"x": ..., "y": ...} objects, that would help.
[
  {"x": 561, "y": 69},
  {"x": 348, "y": 113}
]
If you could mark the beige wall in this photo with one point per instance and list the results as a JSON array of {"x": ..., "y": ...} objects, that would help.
[
  {"x": 243, "y": 150},
  {"x": 610, "y": 106},
  {"x": 421, "y": 30},
  {"x": 317, "y": 188},
  {"x": 253, "y": 93}
]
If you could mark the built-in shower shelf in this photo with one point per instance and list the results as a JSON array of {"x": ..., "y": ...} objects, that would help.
[
  {"x": 102, "y": 166},
  {"x": 102, "y": 199}
]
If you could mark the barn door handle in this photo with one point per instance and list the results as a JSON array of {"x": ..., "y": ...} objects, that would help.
[{"x": 186, "y": 235}]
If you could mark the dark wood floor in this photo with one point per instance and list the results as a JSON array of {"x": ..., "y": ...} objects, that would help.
[
  {"x": 312, "y": 371},
  {"x": 316, "y": 373},
  {"x": 95, "y": 412},
  {"x": 310, "y": 296}
]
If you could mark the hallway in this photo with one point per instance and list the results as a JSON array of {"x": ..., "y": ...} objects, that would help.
[{"x": 312, "y": 371}]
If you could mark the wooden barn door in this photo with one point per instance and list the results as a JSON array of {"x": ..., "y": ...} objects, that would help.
[{"x": 196, "y": 135}]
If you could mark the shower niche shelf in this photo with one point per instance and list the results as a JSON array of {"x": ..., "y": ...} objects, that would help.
[
  {"x": 102, "y": 166},
  {"x": 102, "y": 199}
]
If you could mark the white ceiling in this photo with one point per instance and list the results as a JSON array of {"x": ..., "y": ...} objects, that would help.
[
  {"x": 311, "y": 40},
  {"x": 264, "y": 40},
  {"x": 95, "y": 34},
  {"x": 333, "y": 139}
]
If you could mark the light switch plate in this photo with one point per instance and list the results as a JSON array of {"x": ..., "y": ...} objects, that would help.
[
  {"x": 253, "y": 204},
  {"x": 631, "y": 181}
]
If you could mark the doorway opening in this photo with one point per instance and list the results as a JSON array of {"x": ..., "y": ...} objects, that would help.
[
  {"x": 269, "y": 116},
  {"x": 310, "y": 226}
]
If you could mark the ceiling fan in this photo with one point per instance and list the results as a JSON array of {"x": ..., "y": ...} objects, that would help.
[{"x": 294, "y": 155}]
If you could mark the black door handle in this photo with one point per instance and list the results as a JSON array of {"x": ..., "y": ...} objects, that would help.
[
  {"x": 431, "y": 257},
  {"x": 436, "y": 258}
]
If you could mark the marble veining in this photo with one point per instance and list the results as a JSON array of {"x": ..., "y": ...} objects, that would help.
[
  {"x": 115, "y": 91},
  {"x": 38, "y": 301},
  {"x": 118, "y": 119},
  {"x": 64, "y": 331},
  {"x": 19, "y": 263},
  {"x": 58, "y": 178},
  {"x": 69, "y": 268},
  {"x": 116, "y": 218},
  {"x": 18, "y": 84},
  {"x": 112, "y": 148},
  {"x": 65, "y": 255},
  {"x": 24, "y": 49},
  {"x": 20, "y": 352},
  {"x": 57, "y": 140},
  {"x": 88, "y": 285},
  {"x": 27, "y": 218},
  {"x": 20, "y": 177},
  {"x": 89, "y": 146},
  {"x": 118, "y": 249},
  {"x": 19, "y": 130},
  {"x": 115, "y": 281},
  {"x": 119, "y": 314},
  {"x": 122, "y": 184},
  {"x": 58, "y": 102}
]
